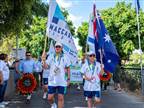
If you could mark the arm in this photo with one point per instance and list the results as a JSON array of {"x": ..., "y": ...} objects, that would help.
[
  {"x": 45, "y": 65},
  {"x": 68, "y": 75},
  {"x": 20, "y": 66},
  {"x": 87, "y": 78},
  {"x": 102, "y": 69},
  {"x": 1, "y": 77},
  {"x": 46, "y": 62},
  {"x": 83, "y": 72},
  {"x": 68, "y": 72},
  {"x": 17, "y": 67}
]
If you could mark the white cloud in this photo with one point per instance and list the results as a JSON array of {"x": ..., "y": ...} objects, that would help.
[
  {"x": 75, "y": 19},
  {"x": 64, "y": 3},
  {"x": 76, "y": 44}
]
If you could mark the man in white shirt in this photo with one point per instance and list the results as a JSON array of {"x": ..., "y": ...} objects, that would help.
[
  {"x": 59, "y": 65},
  {"x": 91, "y": 71}
]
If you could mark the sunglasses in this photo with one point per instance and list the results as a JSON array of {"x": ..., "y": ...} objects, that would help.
[
  {"x": 57, "y": 46},
  {"x": 28, "y": 55},
  {"x": 92, "y": 55}
]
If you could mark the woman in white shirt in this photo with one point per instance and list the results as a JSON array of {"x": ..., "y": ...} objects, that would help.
[
  {"x": 91, "y": 71},
  {"x": 5, "y": 76}
]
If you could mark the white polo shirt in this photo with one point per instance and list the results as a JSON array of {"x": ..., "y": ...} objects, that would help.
[
  {"x": 45, "y": 73},
  {"x": 5, "y": 70},
  {"x": 87, "y": 70},
  {"x": 57, "y": 65}
]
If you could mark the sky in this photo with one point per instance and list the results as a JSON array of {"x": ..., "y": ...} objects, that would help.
[{"x": 79, "y": 10}]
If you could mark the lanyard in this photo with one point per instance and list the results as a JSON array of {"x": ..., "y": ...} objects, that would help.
[
  {"x": 92, "y": 67},
  {"x": 58, "y": 60}
]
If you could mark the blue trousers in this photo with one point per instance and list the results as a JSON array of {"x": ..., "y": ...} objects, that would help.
[{"x": 2, "y": 90}]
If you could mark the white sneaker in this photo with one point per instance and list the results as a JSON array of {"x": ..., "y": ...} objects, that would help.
[
  {"x": 54, "y": 105},
  {"x": 78, "y": 87},
  {"x": 2, "y": 105},
  {"x": 44, "y": 95},
  {"x": 86, "y": 98},
  {"x": 5, "y": 103},
  {"x": 28, "y": 97}
]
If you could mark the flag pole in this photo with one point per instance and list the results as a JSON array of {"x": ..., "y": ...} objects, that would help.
[
  {"x": 100, "y": 50},
  {"x": 45, "y": 44},
  {"x": 86, "y": 48},
  {"x": 44, "y": 50},
  {"x": 139, "y": 40}
]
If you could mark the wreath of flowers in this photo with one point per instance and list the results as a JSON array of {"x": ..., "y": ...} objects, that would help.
[
  {"x": 27, "y": 83},
  {"x": 106, "y": 76}
]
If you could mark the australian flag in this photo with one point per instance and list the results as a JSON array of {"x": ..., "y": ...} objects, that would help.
[{"x": 104, "y": 47}]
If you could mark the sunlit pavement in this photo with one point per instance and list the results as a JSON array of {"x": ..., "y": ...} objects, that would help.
[{"x": 75, "y": 99}]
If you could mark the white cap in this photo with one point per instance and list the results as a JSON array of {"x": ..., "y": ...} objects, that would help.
[
  {"x": 58, "y": 44},
  {"x": 91, "y": 52}
]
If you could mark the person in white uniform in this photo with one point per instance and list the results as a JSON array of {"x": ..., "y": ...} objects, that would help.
[
  {"x": 45, "y": 75},
  {"x": 4, "y": 70},
  {"x": 59, "y": 66},
  {"x": 91, "y": 71}
]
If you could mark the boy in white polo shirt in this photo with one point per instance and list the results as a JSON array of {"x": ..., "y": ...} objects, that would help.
[{"x": 91, "y": 71}]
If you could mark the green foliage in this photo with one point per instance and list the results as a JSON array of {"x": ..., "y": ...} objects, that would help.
[
  {"x": 121, "y": 23},
  {"x": 13, "y": 15},
  {"x": 39, "y": 8},
  {"x": 82, "y": 34},
  {"x": 135, "y": 60},
  {"x": 33, "y": 37},
  {"x": 7, "y": 44},
  {"x": 27, "y": 19},
  {"x": 131, "y": 77}
]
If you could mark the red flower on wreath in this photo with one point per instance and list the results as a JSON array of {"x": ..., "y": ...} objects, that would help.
[
  {"x": 27, "y": 83},
  {"x": 106, "y": 76}
]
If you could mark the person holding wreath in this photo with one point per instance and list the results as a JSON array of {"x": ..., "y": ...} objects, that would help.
[{"x": 27, "y": 68}]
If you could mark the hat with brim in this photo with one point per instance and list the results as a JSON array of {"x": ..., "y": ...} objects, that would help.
[
  {"x": 58, "y": 44},
  {"x": 91, "y": 53}
]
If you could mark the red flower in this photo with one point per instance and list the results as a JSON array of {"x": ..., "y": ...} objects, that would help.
[{"x": 27, "y": 84}]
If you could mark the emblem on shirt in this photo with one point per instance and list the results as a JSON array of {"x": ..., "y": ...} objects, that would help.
[{"x": 56, "y": 70}]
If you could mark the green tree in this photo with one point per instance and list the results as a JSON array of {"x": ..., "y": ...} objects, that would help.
[
  {"x": 122, "y": 27},
  {"x": 15, "y": 14},
  {"x": 31, "y": 30},
  {"x": 82, "y": 34},
  {"x": 33, "y": 36},
  {"x": 121, "y": 23}
]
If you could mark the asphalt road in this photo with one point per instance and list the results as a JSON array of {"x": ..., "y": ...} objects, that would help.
[{"x": 75, "y": 99}]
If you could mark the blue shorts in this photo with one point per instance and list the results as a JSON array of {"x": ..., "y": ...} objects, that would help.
[
  {"x": 45, "y": 81},
  {"x": 91, "y": 94},
  {"x": 57, "y": 89}
]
